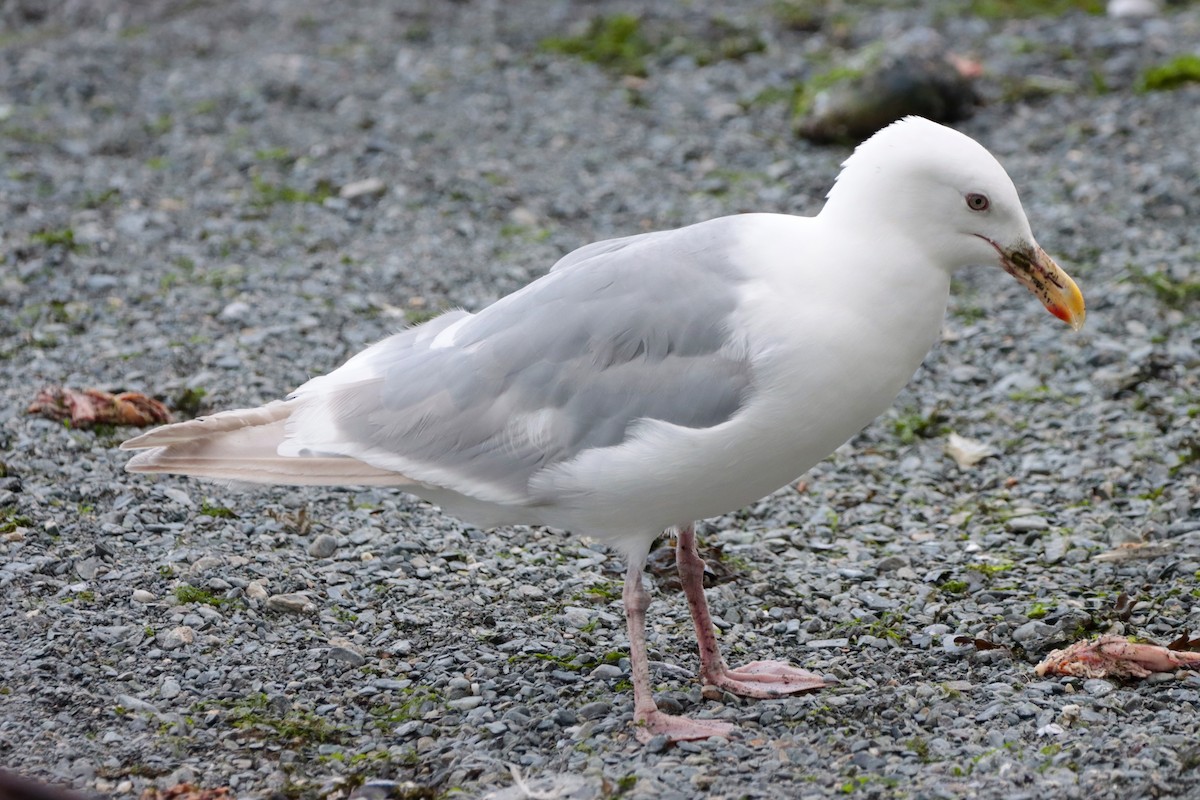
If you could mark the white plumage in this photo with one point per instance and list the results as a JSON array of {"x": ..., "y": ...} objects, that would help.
[{"x": 651, "y": 381}]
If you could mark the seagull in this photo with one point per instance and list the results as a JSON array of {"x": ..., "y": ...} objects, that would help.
[{"x": 651, "y": 381}]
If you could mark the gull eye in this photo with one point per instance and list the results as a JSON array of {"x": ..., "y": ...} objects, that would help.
[{"x": 977, "y": 202}]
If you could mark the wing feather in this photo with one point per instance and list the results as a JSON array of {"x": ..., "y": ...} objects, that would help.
[{"x": 620, "y": 331}]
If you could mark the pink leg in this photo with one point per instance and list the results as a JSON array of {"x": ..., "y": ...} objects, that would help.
[
  {"x": 649, "y": 721},
  {"x": 756, "y": 679}
]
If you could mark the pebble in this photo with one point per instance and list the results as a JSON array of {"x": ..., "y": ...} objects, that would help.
[
  {"x": 131, "y": 703},
  {"x": 347, "y": 656},
  {"x": 364, "y": 189},
  {"x": 1098, "y": 687},
  {"x": 1026, "y": 524},
  {"x": 323, "y": 546},
  {"x": 179, "y": 496},
  {"x": 205, "y": 564},
  {"x": 142, "y": 596},
  {"x": 607, "y": 672},
  {"x": 1036, "y": 635},
  {"x": 1055, "y": 548},
  {"x": 595, "y": 710},
  {"x": 816, "y": 644},
  {"x": 237, "y": 311},
  {"x": 1132, "y": 8},
  {"x": 175, "y": 637},
  {"x": 291, "y": 603},
  {"x": 458, "y": 687},
  {"x": 465, "y": 703}
]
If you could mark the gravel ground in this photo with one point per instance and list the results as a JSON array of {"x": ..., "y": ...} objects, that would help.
[{"x": 182, "y": 215}]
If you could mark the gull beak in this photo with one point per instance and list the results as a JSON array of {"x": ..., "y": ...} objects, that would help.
[{"x": 1037, "y": 272}]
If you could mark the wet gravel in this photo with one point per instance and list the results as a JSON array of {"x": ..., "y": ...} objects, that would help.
[{"x": 210, "y": 203}]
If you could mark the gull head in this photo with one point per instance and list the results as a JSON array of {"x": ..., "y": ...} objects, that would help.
[{"x": 940, "y": 193}]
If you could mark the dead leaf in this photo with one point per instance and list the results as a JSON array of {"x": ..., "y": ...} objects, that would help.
[
  {"x": 1185, "y": 643},
  {"x": 979, "y": 644},
  {"x": 89, "y": 407},
  {"x": 1123, "y": 608}
]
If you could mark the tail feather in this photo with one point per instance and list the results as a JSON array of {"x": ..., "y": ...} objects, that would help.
[{"x": 242, "y": 445}]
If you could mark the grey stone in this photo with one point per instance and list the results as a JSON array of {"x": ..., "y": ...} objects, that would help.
[
  {"x": 323, "y": 546},
  {"x": 292, "y": 603},
  {"x": 596, "y": 710}
]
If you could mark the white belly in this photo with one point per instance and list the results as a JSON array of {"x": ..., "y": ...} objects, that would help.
[{"x": 818, "y": 382}]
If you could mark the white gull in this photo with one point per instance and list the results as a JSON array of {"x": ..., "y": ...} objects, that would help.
[{"x": 651, "y": 381}]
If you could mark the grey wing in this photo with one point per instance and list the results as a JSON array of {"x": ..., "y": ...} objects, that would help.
[
  {"x": 607, "y": 246},
  {"x": 479, "y": 404}
]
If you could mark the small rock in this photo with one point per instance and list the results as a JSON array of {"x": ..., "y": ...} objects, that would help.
[
  {"x": 131, "y": 703},
  {"x": 1132, "y": 8},
  {"x": 366, "y": 189},
  {"x": 293, "y": 603},
  {"x": 523, "y": 216},
  {"x": 346, "y": 655},
  {"x": 596, "y": 710},
  {"x": 142, "y": 596},
  {"x": 854, "y": 108},
  {"x": 1069, "y": 714},
  {"x": 101, "y": 282},
  {"x": 204, "y": 564},
  {"x": 967, "y": 452},
  {"x": 256, "y": 591},
  {"x": 1034, "y": 633},
  {"x": 1027, "y": 524},
  {"x": 132, "y": 224},
  {"x": 86, "y": 568},
  {"x": 323, "y": 546},
  {"x": 607, "y": 672},
  {"x": 1055, "y": 549},
  {"x": 817, "y": 644},
  {"x": 179, "y": 496},
  {"x": 236, "y": 311},
  {"x": 465, "y": 703},
  {"x": 992, "y": 711},
  {"x": 577, "y": 617},
  {"x": 170, "y": 688},
  {"x": 657, "y": 744},
  {"x": 175, "y": 638}
]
